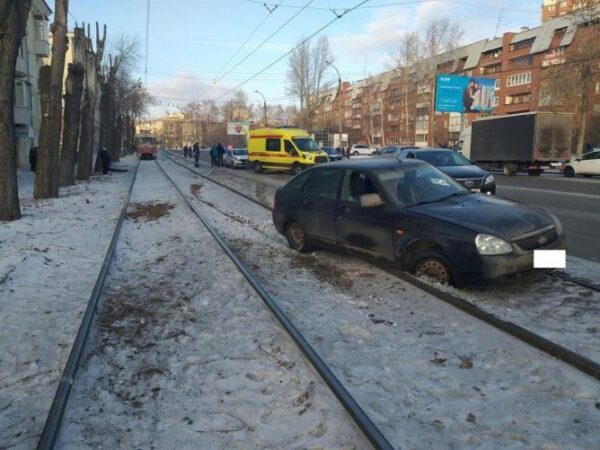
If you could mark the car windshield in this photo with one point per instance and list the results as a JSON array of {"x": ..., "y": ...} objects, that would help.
[
  {"x": 239, "y": 152},
  {"x": 442, "y": 158},
  {"x": 415, "y": 185},
  {"x": 306, "y": 144}
]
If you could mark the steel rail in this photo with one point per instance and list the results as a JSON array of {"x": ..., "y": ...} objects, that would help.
[
  {"x": 55, "y": 415},
  {"x": 531, "y": 338},
  {"x": 366, "y": 425}
]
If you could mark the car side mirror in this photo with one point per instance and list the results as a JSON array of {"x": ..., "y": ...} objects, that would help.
[
  {"x": 293, "y": 152},
  {"x": 370, "y": 200}
]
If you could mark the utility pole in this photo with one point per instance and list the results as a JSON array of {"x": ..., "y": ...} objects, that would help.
[
  {"x": 264, "y": 106},
  {"x": 339, "y": 95}
]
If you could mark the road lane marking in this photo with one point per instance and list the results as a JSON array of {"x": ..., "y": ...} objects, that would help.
[{"x": 548, "y": 191}]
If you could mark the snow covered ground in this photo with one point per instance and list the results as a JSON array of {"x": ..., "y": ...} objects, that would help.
[
  {"x": 184, "y": 355},
  {"x": 559, "y": 310},
  {"x": 49, "y": 264},
  {"x": 427, "y": 374}
]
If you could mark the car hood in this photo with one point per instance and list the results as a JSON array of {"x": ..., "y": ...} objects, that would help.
[
  {"x": 240, "y": 157},
  {"x": 471, "y": 171},
  {"x": 487, "y": 214}
]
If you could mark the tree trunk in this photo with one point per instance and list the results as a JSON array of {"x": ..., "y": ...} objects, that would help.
[
  {"x": 86, "y": 139},
  {"x": 46, "y": 186},
  {"x": 105, "y": 125},
  {"x": 13, "y": 17},
  {"x": 583, "y": 122},
  {"x": 74, "y": 87}
]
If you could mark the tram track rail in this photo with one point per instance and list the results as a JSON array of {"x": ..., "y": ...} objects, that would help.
[
  {"x": 358, "y": 415},
  {"x": 55, "y": 415},
  {"x": 553, "y": 349}
]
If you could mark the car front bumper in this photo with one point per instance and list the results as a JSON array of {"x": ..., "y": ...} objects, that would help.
[{"x": 511, "y": 263}]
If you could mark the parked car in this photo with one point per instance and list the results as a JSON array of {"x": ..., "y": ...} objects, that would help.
[
  {"x": 236, "y": 158},
  {"x": 457, "y": 166},
  {"x": 393, "y": 150},
  {"x": 410, "y": 213},
  {"x": 332, "y": 154},
  {"x": 587, "y": 165},
  {"x": 362, "y": 149}
]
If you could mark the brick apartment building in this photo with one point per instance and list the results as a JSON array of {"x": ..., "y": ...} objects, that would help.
[
  {"x": 397, "y": 106},
  {"x": 555, "y": 8}
]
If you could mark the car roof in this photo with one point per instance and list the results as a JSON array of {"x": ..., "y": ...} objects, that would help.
[{"x": 372, "y": 164}]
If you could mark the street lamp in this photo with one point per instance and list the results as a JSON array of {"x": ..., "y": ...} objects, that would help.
[
  {"x": 264, "y": 105},
  {"x": 339, "y": 95}
]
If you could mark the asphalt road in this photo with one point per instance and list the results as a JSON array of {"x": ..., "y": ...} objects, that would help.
[{"x": 575, "y": 201}]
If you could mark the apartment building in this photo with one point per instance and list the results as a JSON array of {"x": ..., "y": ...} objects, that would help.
[
  {"x": 33, "y": 53},
  {"x": 556, "y": 8},
  {"x": 398, "y": 106}
]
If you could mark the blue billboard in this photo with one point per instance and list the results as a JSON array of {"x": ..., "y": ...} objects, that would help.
[{"x": 455, "y": 93}]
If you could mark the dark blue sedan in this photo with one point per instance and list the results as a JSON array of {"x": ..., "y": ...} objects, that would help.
[{"x": 414, "y": 215}]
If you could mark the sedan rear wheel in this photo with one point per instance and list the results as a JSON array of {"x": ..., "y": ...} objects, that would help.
[
  {"x": 434, "y": 266},
  {"x": 297, "y": 237}
]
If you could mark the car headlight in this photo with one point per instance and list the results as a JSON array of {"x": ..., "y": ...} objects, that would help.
[
  {"x": 557, "y": 224},
  {"x": 492, "y": 245},
  {"x": 489, "y": 179}
]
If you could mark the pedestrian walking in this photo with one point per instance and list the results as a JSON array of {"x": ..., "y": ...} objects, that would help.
[
  {"x": 196, "y": 155},
  {"x": 104, "y": 160},
  {"x": 213, "y": 155},
  {"x": 33, "y": 156},
  {"x": 220, "y": 153}
]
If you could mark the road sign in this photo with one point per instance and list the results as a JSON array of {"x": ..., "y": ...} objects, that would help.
[{"x": 237, "y": 128}]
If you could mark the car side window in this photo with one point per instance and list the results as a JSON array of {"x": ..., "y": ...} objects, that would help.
[
  {"x": 411, "y": 156},
  {"x": 355, "y": 184},
  {"x": 298, "y": 182},
  {"x": 289, "y": 147},
  {"x": 324, "y": 183},
  {"x": 273, "y": 145}
]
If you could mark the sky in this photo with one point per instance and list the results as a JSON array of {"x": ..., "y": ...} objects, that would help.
[{"x": 192, "y": 42}]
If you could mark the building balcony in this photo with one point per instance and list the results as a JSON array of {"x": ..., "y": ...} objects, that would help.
[
  {"x": 22, "y": 115},
  {"x": 422, "y": 104},
  {"x": 517, "y": 107},
  {"x": 42, "y": 48},
  {"x": 553, "y": 61},
  {"x": 356, "y": 126},
  {"x": 424, "y": 90},
  {"x": 377, "y": 134},
  {"x": 21, "y": 68},
  {"x": 357, "y": 116}
]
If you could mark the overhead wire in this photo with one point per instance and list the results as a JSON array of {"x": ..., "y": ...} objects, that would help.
[
  {"x": 256, "y": 48},
  {"x": 305, "y": 40}
]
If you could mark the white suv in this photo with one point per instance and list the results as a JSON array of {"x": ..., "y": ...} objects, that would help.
[{"x": 362, "y": 149}]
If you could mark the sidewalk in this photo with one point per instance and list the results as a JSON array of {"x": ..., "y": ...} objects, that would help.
[{"x": 49, "y": 264}]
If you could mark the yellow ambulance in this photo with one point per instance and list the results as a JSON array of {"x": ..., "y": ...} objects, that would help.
[{"x": 283, "y": 149}]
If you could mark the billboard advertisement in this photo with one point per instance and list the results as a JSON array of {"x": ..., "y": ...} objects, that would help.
[
  {"x": 237, "y": 128},
  {"x": 455, "y": 93}
]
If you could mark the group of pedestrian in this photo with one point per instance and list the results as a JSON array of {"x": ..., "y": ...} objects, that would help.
[
  {"x": 216, "y": 155},
  {"x": 344, "y": 151}
]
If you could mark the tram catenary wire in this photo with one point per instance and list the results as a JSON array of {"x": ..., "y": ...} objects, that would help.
[{"x": 530, "y": 338}]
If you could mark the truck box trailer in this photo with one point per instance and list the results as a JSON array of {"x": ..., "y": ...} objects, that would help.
[{"x": 530, "y": 142}]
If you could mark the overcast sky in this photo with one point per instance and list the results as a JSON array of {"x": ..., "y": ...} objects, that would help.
[{"x": 191, "y": 40}]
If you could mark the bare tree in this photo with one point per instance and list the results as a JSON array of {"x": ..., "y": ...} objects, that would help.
[
  {"x": 441, "y": 36},
  {"x": 578, "y": 69},
  {"x": 236, "y": 108},
  {"x": 46, "y": 179},
  {"x": 307, "y": 65},
  {"x": 93, "y": 65},
  {"x": 72, "y": 119},
  {"x": 13, "y": 21}
]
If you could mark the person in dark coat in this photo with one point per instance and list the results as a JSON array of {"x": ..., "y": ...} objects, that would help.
[
  {"x": 33, "y": 156},
  {"x": 196, "y": 155},
  {"x": 220, "y": 153},
  {"x": 104, "y": 160},
  {"x": 213, "y": 155}
]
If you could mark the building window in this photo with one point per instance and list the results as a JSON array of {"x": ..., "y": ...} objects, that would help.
[
  {"x": 496, "y": 101},
  {"x": 521, "y": 61},
  {"x": 560, "y": 32},
  {"x": 519, "y": 79},
  {"x": 598, "y": 88},
  {"x": 21, "y": 93},
  {"x": 491, "y": 69},
  {"x": 497, "y": 84},
  {"x": 518, "y": 99},
  {"x": 521, "y": 44},
  {"x": 41, "y": 29}
]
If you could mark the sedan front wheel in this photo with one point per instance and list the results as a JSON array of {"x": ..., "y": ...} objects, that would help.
[{"x": 432, "y": 265}]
